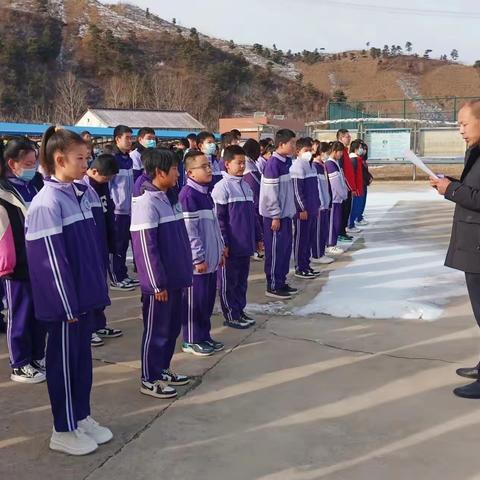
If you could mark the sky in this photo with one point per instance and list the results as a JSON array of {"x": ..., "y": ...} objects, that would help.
[{"x": 336, "y": 25}]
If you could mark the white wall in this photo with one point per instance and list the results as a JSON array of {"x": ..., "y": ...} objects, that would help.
[{"x": 90, "y": 120}]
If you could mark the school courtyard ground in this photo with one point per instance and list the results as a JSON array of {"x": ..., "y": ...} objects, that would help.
[{"x": 314, "y": 391}]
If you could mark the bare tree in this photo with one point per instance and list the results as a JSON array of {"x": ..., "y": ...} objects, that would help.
[
  {"x": 71, "y": 99},
  {"x": 114, "y": 92}
]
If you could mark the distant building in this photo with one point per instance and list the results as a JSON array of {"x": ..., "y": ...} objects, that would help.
[
  {"x": 156, "y": 119},
  {"x": 260, "y": 125}
]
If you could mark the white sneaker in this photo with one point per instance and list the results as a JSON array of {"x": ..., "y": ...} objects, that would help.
[
  {"x": 334, "y": 250},
  {"x": 362, "y": 223},
  {"x": 258, "y": 257},
  {"x": 323, "y": 260},
  {"x": 122, "y": 286},
  {"x": 27, "y": 374},
  {"x": 96, "y": 341},
  {"x": 73, "y": 443},
  {"x": 95, "y": 431},
  {"x": 353, "y": 230}
]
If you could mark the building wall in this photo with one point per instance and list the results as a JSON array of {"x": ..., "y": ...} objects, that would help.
[{"x": 90, "y": 120}]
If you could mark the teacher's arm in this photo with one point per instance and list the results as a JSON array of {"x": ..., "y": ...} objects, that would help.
[{"x": 464, "y": 195}]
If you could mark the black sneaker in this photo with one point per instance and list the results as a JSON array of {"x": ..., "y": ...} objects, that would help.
[
  {"x": 247, "y": 318},
  {"x": 199, "y": 349},
  {"x": 96, "y": 341},
  {"x": 305, "y": 275},
  {"x": 217, "y": 346},
  {"x": 39, "y": 365},
  {"x": 133, "y": 282},
  {"x": 174, "y": 379},
  {"x": 314, "y": 272},
  {"x": 157, "y": 389},
  {"x": 280, "y": 294},
  {"x": 27, "y": 374},
  {"x": 238, "y": 324},
  {"x": 108, "y": 332},
  {"x": 345, "y": 238},
  {"x": 472, "y": 390},
  {"x": 290, "y": 290}
]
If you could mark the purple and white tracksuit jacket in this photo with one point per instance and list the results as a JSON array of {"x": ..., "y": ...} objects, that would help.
[
  {"x": 121, "y": 190},
  {"x": 206, "y": 244},
  {"x": 277, "y": 201},
  {"x": 253, "y": 177},
  {"x": 307, "y": 199},
  {"x": 323, "y": 218},
  {"x": 339, "y": 193},
  {"x": 235, "y": 209},
  {"x": 68, "y": 285},
  {"x": 164, "y": 262}
]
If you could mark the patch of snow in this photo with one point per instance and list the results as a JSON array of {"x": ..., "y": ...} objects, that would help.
[{"x": 400, "y": 273}]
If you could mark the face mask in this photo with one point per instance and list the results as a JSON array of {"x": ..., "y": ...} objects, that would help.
[
  {"x": 27, "y": 174},
  {"x": 306, "y": 156},
  {"x": 361, "y": 151},
  {"x": 150, "y": 144},
  {"x": 210, "y": 149}
]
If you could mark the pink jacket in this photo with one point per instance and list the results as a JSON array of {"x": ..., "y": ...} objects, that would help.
[{"x": 7, "y": 245}]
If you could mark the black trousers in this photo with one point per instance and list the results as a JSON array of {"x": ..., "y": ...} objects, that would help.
[
  {"x": 473, "y": 287},
  {"x": 346, "y": 210}
]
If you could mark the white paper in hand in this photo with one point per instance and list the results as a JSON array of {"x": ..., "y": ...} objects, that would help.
[{"x": 411, "y": 157}]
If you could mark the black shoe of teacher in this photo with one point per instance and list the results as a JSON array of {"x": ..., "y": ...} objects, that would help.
[
  {"x": 468, "y": 372},
  {"x": 471, "y": 390}
]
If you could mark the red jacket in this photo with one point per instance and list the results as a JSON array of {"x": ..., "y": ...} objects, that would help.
[
  {"x": 350, "y": 176},
  {"x": 359, "y": 175}
]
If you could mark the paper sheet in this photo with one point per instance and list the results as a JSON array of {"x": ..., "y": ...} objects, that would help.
[{"x": 411, "y": 157}]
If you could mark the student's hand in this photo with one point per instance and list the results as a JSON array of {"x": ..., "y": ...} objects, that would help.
[
  {"x": 162, "y": 296},
  {"x": 201, "y": 267},
  {"x": 276, "y": 224},
  {"x": 73, "y": 320},
  {"x": 260, "y": 247},
  {"x": 303, "y": 215},
  {"x": 441, "y": 184},
  {"x": 226, "y": 252}
]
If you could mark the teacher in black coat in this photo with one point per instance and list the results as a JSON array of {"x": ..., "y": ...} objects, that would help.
[{"x": 464, "y": 251}]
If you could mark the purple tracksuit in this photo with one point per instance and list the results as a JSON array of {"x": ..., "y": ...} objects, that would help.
[
  {"x": 235, "y": 210},
  {"x": 307, "y": 199},
  {"x": 25, "y": 334},
  {"x": 207, "y": 246},
  {"x": 276, "y": 201},
  {"x": 216, "y": 170},
  {"x": 103, "y": 214},
  {"x": 164, "y": 262},
  {"x": 261, "y": 162},
  {"x": 68, "y": 282},
  {"x": 323, "y": 217},
  {"x": 121, "y": 189},
  {"x": 339, "y": 193},
  {"x": 254, "y": 179},
  {"x": 137, "y": 164}
]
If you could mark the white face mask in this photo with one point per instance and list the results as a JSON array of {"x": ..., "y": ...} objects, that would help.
[
  {"x": 361, "y": 151},
  {"x": 306, "y": 156}
]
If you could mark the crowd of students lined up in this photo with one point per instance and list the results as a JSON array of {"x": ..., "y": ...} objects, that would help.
[{"x": 195, "y": 215}]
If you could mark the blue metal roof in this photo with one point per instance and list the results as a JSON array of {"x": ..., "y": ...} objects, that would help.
[{"x": 34, "y": 129}]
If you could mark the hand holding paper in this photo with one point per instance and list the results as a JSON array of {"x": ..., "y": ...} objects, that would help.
[{"x": 411, "y": 157}]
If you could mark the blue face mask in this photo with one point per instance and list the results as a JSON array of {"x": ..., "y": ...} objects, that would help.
[
  {"x": 210, "y": 149},
  {"x": 27, "y": 174},
  {"x": 150, "y": 144}
]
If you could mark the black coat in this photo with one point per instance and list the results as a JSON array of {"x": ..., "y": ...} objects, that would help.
[{"x": 464, "y": 250}]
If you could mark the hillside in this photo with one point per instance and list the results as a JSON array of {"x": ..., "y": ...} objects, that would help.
[{"x": 72, "y": 53}]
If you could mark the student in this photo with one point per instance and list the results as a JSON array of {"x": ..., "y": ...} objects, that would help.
[
  {"x": 307, "y": 202},
  {"x": 207, "y": 251},
  {"x": 206, "y": 144},
  {"x": 322, "y": 221},
  {"x": 253, "y": 177},
  {"x": 87, "y": 138},
  {"x": 68, "y": 285},
  {"x": 180, "y": 149},
  {"x": 345, "y": 164},
  {"x": 237, "y": 136},
  {"x": 367, "y": 181},
  {"x": 19, "y": 183},
  {"x": 121, "y": 189},
  {"x": 192, "y": 142},
  {"x": 235, "y": 209},
  {"x": 339, "y": 193},
  {"x": 146, "y": 138},
  {"x": 162, "y": 253},
  {"x": 266, "y": 152},
  {"x": 101, "y": 171},
  {"x": 277, "y": 206},
  {"x": 356, "y": 152},
  {"x": 226, "y": 139}
]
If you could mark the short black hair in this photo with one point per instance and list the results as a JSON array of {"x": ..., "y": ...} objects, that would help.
[
  {"x": 283, "y": 136},
  {"x": 304, "y": 142},
  {"x": 145, "y": 131},
  {"x": 15, "y": 150},
  {"x": 236, "y": 133},
  {"x": 231, "y": 152},
  {"x": 202, "y": 136},
  {"x": 341, "y": 132},
  {"x": 158, "y": 158},
  {"x": 85, "y": 133},
  {"x": 184, "y": 142},
  {"x": 105, "y": 164},
  {"x": 324, "y": 147},
  {"x": 252, "y": 148},
  {"x": 355, "y": 145},
  {"x": 192, "y": 136},
  {"x": 336, "y": 146},
  {"x": 227, "y": 138},
  {"x": 264, "y": 143},
  {"x": 191, "y": 156},
  {"x": 119, "y": 130}
]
